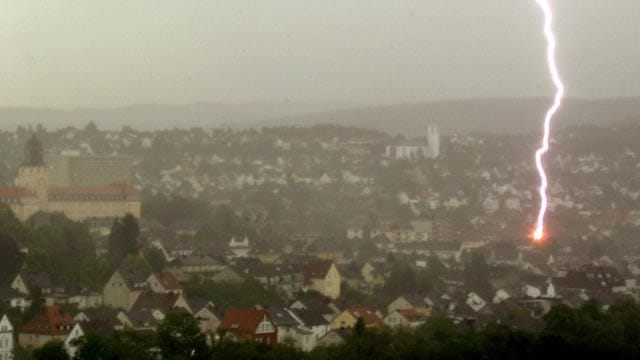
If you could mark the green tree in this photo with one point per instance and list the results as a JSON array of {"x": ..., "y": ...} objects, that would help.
[
  {"x": 179, "y": 338},
  {"x": 155, "y": 258},
  {"x": 11, "y": 226},
  {"x": 10, "y": 257},
  {"x": 134, "y": 345},
  {"x": 60, "y": 248},
  {"x": 123, "y": 239},
  {"x": 95, "y": 347},
  {"x": 52, "y": 350}
]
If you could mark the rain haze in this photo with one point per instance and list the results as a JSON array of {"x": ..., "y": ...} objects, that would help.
[
  {"x": 319, "y": 180},
  {"x": 68, "y": 54}
]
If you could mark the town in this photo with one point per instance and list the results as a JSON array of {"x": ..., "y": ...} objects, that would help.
[{"x": 299, "y": 236}]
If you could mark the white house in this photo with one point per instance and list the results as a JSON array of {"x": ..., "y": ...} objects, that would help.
[
  {"x": 240, "y": 248},
  {"x": 6, "y": 339},
  {"x": 69, "y": 345},
  {"x": 406, "y": 318}
]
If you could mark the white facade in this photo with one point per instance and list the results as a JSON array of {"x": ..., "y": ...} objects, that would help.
[
  {"x": 69, "y": 344},
  {"x": 429, "y": 150},
  {"x": 6, "y": 339}
]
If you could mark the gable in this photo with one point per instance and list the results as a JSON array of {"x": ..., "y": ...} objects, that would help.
[{"x": 5, "y": 324}]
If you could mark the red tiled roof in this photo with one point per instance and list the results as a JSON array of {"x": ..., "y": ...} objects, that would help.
[
  {"x": 50, "y": 321},
  {"x": 367, "y": 315},
  {"x": 115, "y": 189},
  {"x": 243, "y": 320},
  {"x": 169, "y": 282},
  {"x": 15, "y": 192}
]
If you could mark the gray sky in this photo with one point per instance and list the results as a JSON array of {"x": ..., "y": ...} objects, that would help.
[{"x": 86, "y": 53}]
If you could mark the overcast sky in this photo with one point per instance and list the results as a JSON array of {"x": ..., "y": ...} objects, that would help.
[{"x": 86, "y": 53}]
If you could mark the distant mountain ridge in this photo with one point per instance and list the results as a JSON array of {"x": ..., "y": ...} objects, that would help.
[
  {"x": 499, "y": 115},
  {"x": 158, "y": 116},
  {"x": 482, "y": 115}
]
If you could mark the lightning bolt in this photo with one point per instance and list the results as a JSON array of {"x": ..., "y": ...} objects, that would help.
[{"x": 538, "y": 234}]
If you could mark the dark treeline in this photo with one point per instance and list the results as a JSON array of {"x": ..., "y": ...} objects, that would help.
[{"x": 587, "y": 332}]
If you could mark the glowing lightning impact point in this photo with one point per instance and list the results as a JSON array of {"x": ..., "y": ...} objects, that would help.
[{"x": 538, "y": 234}]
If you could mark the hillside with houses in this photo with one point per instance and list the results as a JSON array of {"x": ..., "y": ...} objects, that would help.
[{"x": 307, "y": 238}]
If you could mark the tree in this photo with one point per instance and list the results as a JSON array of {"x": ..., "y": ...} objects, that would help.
[
  {"x": 60, "y": 248},
  {"x": 179, "y": 337},
  {"x": 134, "y": 345},
  {"x": 12, "y": 226},
  {"x": 95, "y": 347},
  {"x": 52, "y": 350},
  {"x": 155, "y": 258},
  {"x": 10, "y": 258},
  {"x": 123, "y": 239}
]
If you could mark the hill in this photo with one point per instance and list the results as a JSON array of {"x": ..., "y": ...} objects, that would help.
[
  {"x": 152, "y": 116},
  {"x": 464, "y": 116},
  {"x": 506, "y": 115}
]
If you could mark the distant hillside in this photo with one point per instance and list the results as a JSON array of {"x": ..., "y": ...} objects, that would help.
[
  {"x": 463, "y": 116},
  {"x": 150, "y": 117}
]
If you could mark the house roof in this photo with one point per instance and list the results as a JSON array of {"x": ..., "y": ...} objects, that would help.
[
  {"x": 198, "y": 303},
  {"x": 141, "y": 319},
  {"x": 52, "y": 320},
  {"x": 15, "y": 192},
  {"x": 243, "y": 320},
  {"x": 317, "y": 269},
  {"x": 281, "y": 316},
  {"x": 135, "y": 279},
  {"x": 412, "y": 315},
  {"x": 150, "y": 300},
  {"x": 39, "y": 280},
  {"x": 168, "y": 281},
  {"x": 310, "y": 317},
  {"x": 260, "y": 269},
  {"x": 367, "y": 315},
  {"x": 121, "y": 190},
  {"x": 195, "y": 260}
]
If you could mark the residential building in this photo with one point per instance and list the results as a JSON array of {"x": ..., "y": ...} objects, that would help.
[
  {"x": 164, "y": 283},
  {"x": 70, "y": 342},
  {"x": 6, "y": 339},
  {"x": 405, "y": 318},
  {"x": 123, "y": 288},
  {"x": 51, "y": 323},
  {"x": 323, "y": 277},
  {"x": 250, "y": 324},
  {"x": 349, "y": 317},
  {"x": 405, "y": 302}
]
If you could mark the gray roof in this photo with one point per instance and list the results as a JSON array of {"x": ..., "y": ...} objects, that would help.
[{"x": 281, "y": 317}]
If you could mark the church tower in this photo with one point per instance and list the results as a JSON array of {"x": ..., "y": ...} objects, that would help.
[{"x": 34, "y": 173}]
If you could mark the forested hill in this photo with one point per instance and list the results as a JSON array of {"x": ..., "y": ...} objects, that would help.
[{"x": 464, "y": 116}]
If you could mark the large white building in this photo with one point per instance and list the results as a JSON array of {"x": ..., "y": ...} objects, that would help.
[{"x": 416, "y": 149}]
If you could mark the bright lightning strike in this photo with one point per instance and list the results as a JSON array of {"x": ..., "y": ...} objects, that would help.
[{"x": 538, "y": 234}]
